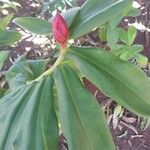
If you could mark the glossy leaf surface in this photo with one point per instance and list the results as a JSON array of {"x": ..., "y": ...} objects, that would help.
[
  {"x": 82, "y": 120},
  {"x": 27, "y": 117},
  {"x": 80, "y": 20},
  {"x": 95, "y": 13},
  {"x": 122, "y": 81},
  {"x": 43, "y": 27}
]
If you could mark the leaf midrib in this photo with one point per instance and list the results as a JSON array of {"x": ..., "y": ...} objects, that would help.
[
  {"x": 88, "y": 17},
  {"x": 77, "y": 111},
  {"x": 88, "y": 60}
]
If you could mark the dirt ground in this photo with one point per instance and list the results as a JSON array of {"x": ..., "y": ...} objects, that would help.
[{"x": 128, "y": 135}]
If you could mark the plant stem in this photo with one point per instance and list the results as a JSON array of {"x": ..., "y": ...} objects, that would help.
[{"x": 51, "y": 70}]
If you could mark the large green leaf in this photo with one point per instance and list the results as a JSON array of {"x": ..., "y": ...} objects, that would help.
[
  {"x": 27, "y": 118},
  {"x": 9, "y": 37},
  {"x": 27, "y": 115},
  {"x": 122, "y": 81},
  {"x": 95, "y": 13},
  {"x": 34, "y": 25},
  {"x": 43, "y": 27},
  {"x": 82, "y": 120},
  {"x": 80, "y": 20}
]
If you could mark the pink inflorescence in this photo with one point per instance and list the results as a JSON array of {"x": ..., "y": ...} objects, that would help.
[{"x": 60, "y": 30}]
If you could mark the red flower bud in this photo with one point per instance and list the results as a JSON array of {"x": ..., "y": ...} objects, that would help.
[{"x": 60, "y": 30}]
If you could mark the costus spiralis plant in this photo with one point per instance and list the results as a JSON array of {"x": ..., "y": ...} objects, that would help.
[{"x": 40, "y": 104}]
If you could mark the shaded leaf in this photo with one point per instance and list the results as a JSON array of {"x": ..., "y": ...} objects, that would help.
[
  {"x": 103, "y": 33},
  {"x": 112, "y": 36},
  {"x": 9, "y": 37},
  {"x": 115, "y": 20},
  {"x": 19, "y": 73},
  {"x": 27, "y": 118},
  {"x": 34, "y": 25},
  {"x": 38, "y": 66},
  {"x": 24, "y": 70},
  {"x": 3, "y": 57}
]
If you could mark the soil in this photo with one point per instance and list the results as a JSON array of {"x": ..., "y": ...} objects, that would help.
[{"x": 128, "y": 135}]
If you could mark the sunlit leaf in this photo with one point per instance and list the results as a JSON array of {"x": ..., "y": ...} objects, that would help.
[
  {"x": 122, "y": 81},
  {"x": 82, "y": 120},
  {"x": 95, "y": 13}
]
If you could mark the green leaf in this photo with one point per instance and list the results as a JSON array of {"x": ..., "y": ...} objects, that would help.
[
  {"x": 24, "y": 70},
  {"x": 38, "y": 66},
  {"x": 132, "y": 32},
  {"x": 28, "y": 119},
  {"x": 141, "y": 60},
  {"x": 136, "y": 48},
  {"x": 122, "y": 81},
  {"x": 19, "y": 73},
  {"x": 134, "y": 12},
  {"x": 115, "y": 21},
  {"x": 82, "y": 120},
  {"x": 34, "y": 25},
  {"x": 126, "y": 55},
  {"x": 103, "y": 33},
  {"x": 5, "y": 21},
  {"x": 9, "y": 37},
  {"x": 96, "y": 13},
  {"x": 70, "y": 15},
  {"x": 43, "y": 27},
  {"x": 125, "y": 52},
  {"x": 73, "y": 66},
  {"x": 119, "y": 49},
  {"x": 112, "y": 36},
  {"x": 123, "y": 36},
  {"x": 3, "y": 57}
]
